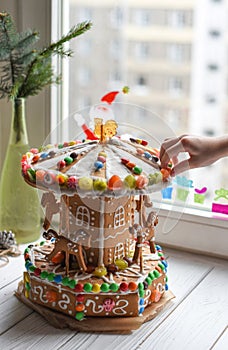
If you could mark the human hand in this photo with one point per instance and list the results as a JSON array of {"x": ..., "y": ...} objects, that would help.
[{"x": 202, "y": 151}]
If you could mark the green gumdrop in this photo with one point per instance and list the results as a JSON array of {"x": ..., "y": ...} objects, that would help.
[
  {"x": 156, "y": 273},
  {"x": 105, "y": 287},
  {"x": 149, "y": 281},
  {"x": 114, "y": 287},
  {"x": 65, "y": 281},
  {"x": 51, "y": 277},
  {"x": 88, "y": 287},
  {"x": 44, "y": 274},
  {"x": 130, "y": 182},
  {"x": 72, "y": 284},
  {"x": 79, "y": 316},
  {"x": 99, "y": 185},
  {"x": 137, "y": 170},
  {"x": 158, "y": 177}
]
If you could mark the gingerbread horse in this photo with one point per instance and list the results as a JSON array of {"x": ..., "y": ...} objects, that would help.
[
  {"x": 63, "y": 244},
  {"x": 49, "y": 202}
]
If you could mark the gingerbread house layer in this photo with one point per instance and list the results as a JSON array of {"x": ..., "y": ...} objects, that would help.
[{"x": 125, "y": 293}]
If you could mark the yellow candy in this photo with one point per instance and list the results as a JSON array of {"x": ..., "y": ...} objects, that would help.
[
  {"x": 29, "y": 155},
  {"x": 121, "y": 264},
  {"x": 131, "y": 254},
  {"x": 26, "y": 293},
  {"x": 72, "y": 143},
  {"x": 103, "y": 154},
  {"x": 85, "y": 183},
  {"x": 26, "y": 277},
  {"x": 96, "y": 288},
  {"x": 100, "y": 271}
]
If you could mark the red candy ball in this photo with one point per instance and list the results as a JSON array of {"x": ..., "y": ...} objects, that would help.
[
  {"x": 61, "y": 164},
  {"x": 79, "y": 287},
  {"x": 124, "y": 286},
  {"x": 80, "y": 298}
]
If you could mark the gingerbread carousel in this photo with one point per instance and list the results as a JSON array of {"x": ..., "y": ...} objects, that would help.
[{"x": 101, "y": 268}]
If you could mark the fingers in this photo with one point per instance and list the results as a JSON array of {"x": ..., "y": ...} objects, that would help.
[
  {"x": 171, "y": 150},
  {"x": 180, "y": 167}
]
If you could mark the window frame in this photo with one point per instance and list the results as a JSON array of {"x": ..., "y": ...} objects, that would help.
[{"x": 196, "y": 230}]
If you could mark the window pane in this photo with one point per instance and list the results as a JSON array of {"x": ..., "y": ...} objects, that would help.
[{"x": 174, "y": 62}]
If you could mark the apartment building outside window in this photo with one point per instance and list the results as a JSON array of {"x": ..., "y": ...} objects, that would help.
[{"x": 180, "y": 78}]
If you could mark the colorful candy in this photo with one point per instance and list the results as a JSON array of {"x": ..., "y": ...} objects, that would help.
[
  {"x": 115, "y": 183},
  {"x": 100, "y": 185}
]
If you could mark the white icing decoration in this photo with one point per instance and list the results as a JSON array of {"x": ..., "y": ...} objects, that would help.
[
  {"x": 147, "y": 297},
  {"x": 64, "y": 302},
  {"x": 160, "y": 287},
  {"x": 40, "y": 291},
  {"x": 119, "y": 217},
  {"x": 99, "y": 307},
  {"x": 101, "y": 233},
  {"x": 82, "y": 217},
  {"x": 119, "y": 310},
  {"x": 119, "y": 251}
]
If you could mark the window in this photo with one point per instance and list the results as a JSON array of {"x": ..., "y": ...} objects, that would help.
[
  {"x": 119, "y": 219},
  {"x": 177, "y": 18},
  {"x": 82, "y": 216},
  {"x": 175, "y": 86},
  {"x": 119, "y": 251},
  {"x": 142, "y": 17},
  {"x": 175, "y": 53},
  {"x": 142, "y": 50},
  {"x": 189, "y": 96}
]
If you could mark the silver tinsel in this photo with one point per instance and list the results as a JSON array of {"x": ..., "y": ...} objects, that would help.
[{"x": 7, "y": 240}]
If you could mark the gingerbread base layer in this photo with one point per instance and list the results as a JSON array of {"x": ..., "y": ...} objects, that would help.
[{"x": 96, "y": 324}]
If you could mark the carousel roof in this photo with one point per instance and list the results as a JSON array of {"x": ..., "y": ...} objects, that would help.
[{"x": 116, "y": 166}]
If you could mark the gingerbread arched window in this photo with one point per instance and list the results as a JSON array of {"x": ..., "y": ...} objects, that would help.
[
  {"x": 119, "y": 251},
  {"x": 82, "y": 216},
  {"x": 119, "y": 217}
]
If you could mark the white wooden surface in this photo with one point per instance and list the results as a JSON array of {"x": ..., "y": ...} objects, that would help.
[{"x": 196, "y": 319}]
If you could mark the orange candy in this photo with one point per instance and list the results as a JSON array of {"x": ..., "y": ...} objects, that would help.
[
  {"x": 130, "y": 165},
  {"x": 40, "y": 175},
  {"x": 141, "y": 181},
  {"x": 51, "y": 296},
  {"x": 155, "y": 296},
  {"x": 165, "y": 173},
  {"x": 132, "y": 286},
  {"x": 115, "y": 183},
  {"x": 58, "y": 258},
  {"x": 80, "y": 307}
]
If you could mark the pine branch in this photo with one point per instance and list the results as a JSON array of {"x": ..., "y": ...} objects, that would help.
[
  {"x": 54, "y": 48},
  {"x": 24, "y": 70}
]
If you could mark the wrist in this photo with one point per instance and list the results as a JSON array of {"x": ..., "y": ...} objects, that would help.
[{"x": 222, "y": 146}]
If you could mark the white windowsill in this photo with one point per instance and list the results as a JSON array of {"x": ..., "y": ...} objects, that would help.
[{"x": 192, "y": 229}]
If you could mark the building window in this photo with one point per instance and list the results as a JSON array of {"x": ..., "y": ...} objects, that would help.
[
  {"x": 175, "y": 53},
  {"x": 213, "y": 66},
  {"x": 119, "y": 219},
  {"x": 210, "y": 99},
  {"x": 215, "y": 33},
  {"x": 142, "y": 50},
  {"x": 115, "y": 48},
  {"x": 142, "y": 17},
  {"x": 115, "y": 76},
  {"x": 117, "y": 17},
  {"x": 177, "y": 19},
  {"x": 175, "y": 86},
  {"x": 82, "y": 217}
]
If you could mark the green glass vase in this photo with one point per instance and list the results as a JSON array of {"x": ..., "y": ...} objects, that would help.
[{"x": 19, "y": 202}]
